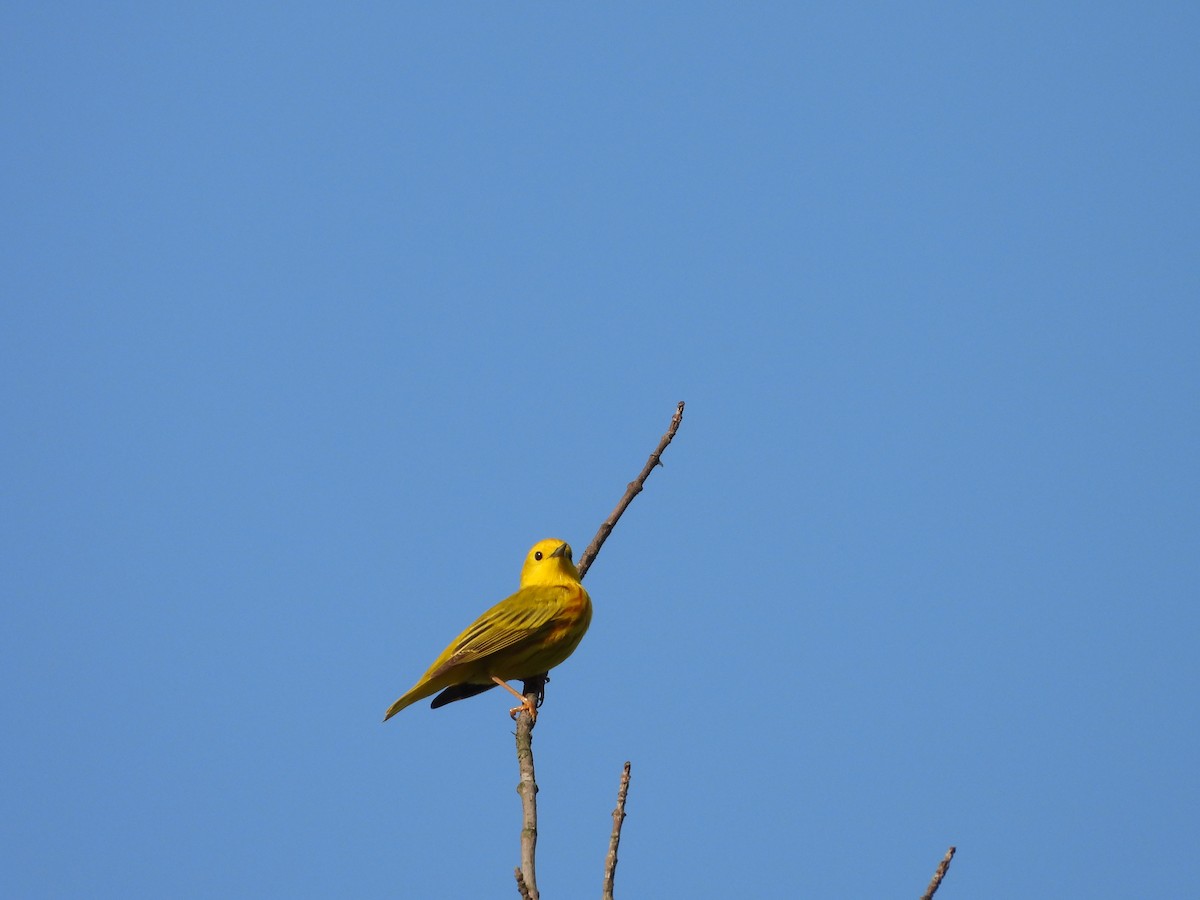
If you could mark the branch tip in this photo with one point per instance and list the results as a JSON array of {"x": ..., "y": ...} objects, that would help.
[
  {"x": 942, "y": 869},
  {"x": 631, "y": 491}
]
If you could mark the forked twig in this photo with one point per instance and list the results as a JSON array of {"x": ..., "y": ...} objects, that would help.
[
  {"x": 942, "y": 869},
  {"x": 610, "y": 861}
]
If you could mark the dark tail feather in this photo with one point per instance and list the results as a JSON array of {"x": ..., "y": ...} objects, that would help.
[{"x": 459, "y": 692}]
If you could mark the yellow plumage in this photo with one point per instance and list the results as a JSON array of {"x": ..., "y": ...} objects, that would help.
[{"x": 524, "y": 635}]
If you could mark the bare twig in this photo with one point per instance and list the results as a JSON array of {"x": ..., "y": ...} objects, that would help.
[
  {"x": 610, "y": 862},
  {"x": 524, "y": 891},
  {"x": 527, "y": 788},
  {"x": 942, "y": 869},
  {"x": 634, "y": 488}
]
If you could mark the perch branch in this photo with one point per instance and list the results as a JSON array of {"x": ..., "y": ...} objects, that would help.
[
  {"x": 610, "y": 862},
  {"x": 942, "y": 869},
  {"x": 534, "y": 689},
  {"x": 634, "y": 488}
]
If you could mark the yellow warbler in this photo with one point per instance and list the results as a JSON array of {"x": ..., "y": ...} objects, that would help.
[{"x": 525, "y": 635}]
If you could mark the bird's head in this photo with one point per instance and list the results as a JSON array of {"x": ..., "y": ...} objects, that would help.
[{"x": 549, "y": 562}]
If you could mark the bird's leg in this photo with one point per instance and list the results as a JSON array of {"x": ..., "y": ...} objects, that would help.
[
  {"x": 525, "y": 704},
  {"x": 536, "y": 685}
]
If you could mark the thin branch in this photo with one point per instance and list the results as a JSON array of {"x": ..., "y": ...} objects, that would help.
[
  {"x": 534, "y": 689},
  {"x": 524, "y": 891},
  {"x": 527, "y": 788},
  {"x": 610, "y": 862},
  {"x": 634, "y": 488},
  {"x": 942, "y": 869}
]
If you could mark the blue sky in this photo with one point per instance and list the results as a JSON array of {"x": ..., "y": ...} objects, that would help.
[{"x": 316, "y": 317}]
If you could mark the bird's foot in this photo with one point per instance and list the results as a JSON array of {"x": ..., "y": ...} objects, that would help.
[{"x": 527, "y": 705}]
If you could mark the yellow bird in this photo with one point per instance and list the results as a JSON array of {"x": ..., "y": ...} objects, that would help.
[{"x": 527, "y": 634}]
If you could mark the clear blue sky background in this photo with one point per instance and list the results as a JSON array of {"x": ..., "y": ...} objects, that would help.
[{"x": 316, "y": 316}]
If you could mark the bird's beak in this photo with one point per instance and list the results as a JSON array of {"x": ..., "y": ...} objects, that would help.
[{"x": 563, "y": 550}]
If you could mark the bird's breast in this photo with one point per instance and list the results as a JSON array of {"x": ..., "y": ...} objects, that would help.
[{"x": 571, "y": 624}]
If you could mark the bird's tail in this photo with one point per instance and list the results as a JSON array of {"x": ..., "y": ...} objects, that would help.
[
  {"x": 459, "y": 692},
  {"x": 424, "y": 688},
  {"x": 418, "y": 692}
]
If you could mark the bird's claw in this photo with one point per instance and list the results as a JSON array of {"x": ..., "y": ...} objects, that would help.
[{"x": 527, "y": 707}]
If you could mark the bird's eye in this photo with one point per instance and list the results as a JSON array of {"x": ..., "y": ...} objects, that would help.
[{"x": 538, "y": 555}]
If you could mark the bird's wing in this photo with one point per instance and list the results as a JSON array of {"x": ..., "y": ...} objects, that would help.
[{"x": 507, "y": 623}]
